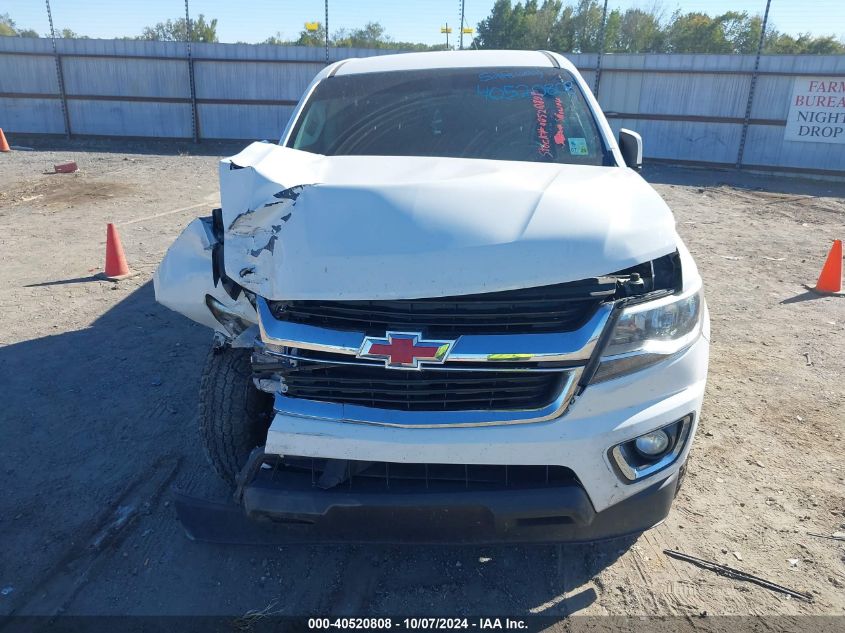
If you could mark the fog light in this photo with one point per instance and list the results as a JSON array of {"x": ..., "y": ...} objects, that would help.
[
  {"x": 651, "y": 452},
  {"x": 652, "y": 444}
]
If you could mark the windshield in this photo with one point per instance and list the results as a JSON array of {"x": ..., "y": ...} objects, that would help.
[{"x": 524, "y": 114}]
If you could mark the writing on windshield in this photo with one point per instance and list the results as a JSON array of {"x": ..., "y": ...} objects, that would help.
[{"x": 524, "y": 114}]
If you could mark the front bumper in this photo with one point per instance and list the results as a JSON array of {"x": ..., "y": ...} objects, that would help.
[
  {"x": 292, "y": 512},
  {"x": 595, "y": 504},
  {"x": 604, "y": 415}
]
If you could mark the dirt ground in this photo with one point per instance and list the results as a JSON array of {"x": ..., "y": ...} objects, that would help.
[{"x": 99, "y": 389}]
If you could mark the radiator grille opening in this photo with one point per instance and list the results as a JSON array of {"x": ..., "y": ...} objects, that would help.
[
  {"x": 556, "y": 308},
  {"x": 397, "y": 477},
  {"x": 424, "y": 390}
]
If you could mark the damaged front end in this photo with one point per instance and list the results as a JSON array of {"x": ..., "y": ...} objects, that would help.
[
  {"x": 515, "y": 273},
  {"x": 297, "y": 226},
  {"x": 196, "y": 277}
]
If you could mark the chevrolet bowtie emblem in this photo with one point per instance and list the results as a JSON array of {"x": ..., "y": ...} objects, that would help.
[{"x": 405, "y": 350}]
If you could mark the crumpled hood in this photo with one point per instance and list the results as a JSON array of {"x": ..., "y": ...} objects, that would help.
[{"x": 305, "y": 226}]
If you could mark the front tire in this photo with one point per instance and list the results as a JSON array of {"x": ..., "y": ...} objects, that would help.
[{"x": 233, "y": 414}]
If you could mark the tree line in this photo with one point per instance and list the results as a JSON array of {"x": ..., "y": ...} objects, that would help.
[
  {"x": 371, "y": 35},
  {"x": 577, "y": 27},
  {"x": 8, "y": 28},
  {"x": 574, "y": 27},
  {"x": 170, "y": 31}
]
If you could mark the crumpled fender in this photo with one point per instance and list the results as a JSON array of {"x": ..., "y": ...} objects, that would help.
[{"x": 186, "y": 277}]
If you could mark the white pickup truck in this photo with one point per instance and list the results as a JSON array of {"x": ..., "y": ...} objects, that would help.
[{"x": 446, "y": 308}]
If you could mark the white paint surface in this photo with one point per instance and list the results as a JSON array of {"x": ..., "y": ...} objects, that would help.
[{"x": 369, "y": 227}]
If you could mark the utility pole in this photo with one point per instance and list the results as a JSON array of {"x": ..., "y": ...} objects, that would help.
[
  {"x": 446, "y": 30},
  {"x": 327, "y": 32}
]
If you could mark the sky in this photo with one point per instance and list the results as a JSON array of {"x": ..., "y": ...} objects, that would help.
[{"x": 414, "y": 21}]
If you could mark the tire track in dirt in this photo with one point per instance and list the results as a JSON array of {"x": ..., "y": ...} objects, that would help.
[
  {"x": 574, "y": 565},
  {"x": 359, "y": 578},
  {"x": 54, "y": 592}
]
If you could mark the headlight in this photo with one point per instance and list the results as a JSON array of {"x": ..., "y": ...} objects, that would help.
[
  {"x": 228, "y": 318},
  {"x": 648, "y": 333}
]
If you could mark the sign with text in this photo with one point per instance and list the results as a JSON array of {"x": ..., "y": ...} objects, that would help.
[{"x": 817, "y": 111}]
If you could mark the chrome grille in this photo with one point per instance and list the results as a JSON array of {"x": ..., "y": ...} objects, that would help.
[
  {"x": 492, "y": 375},
  {"x": 425, "y": 390}
]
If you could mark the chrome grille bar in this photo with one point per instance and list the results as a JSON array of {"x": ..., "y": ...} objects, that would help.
[
  {"x": 428, "y": 419},
  {"x": 501, "y": 349}
]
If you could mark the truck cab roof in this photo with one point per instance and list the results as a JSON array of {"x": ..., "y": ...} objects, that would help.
[{"x": 448, "y": 59}]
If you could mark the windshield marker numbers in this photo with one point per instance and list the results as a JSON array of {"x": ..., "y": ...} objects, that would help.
[
  {"x": 510, "y": 92},
  {"x": 542, "y": 122},
  {"x": 560, "y": 137},
  {"x": 499, "y": 74}
]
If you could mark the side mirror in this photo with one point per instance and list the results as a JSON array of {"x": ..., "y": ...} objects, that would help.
[{"x": 631, "y": 146}]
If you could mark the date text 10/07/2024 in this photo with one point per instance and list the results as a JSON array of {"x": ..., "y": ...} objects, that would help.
[{"x": 419, "y": 623}]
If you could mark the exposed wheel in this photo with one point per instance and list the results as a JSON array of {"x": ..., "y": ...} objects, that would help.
[{"x": 233, "y": 414}]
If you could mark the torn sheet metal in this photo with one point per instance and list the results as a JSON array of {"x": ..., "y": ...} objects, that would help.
[
  {"x": 186, "y": 276},
  {"x": 305, "y": 226}
]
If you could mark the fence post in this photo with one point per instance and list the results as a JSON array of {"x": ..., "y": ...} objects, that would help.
[
  {"x": 601, "y": 52},
  {"x": 751, "y": 88},
  {"x": 194, "y": 116},
  {"x": 461, "y": 46},
  {"x": 59, "y": 74},
  {"x": 327, "y": 32}
]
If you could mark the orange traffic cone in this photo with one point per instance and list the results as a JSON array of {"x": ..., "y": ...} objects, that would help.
[
  {"x": 116, "y": 267},
  {"x": 830, "y": 279},
  {"x": 4, "y": 146}
]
